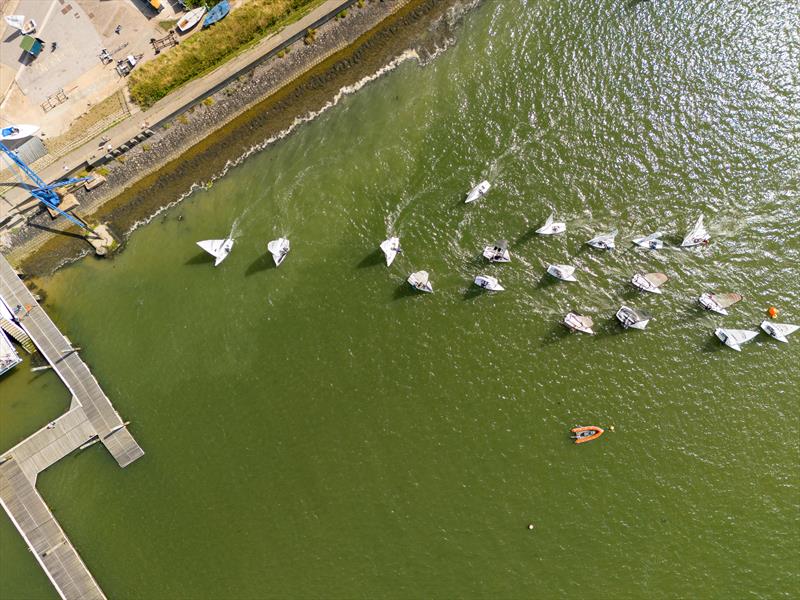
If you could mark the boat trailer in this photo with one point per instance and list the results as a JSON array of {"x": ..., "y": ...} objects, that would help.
[{"x": 167, "y": 41}]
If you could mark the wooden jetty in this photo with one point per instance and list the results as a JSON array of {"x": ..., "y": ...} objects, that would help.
[{"x": 91, "y": 415}]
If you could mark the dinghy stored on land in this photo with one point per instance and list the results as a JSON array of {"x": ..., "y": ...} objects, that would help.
[
  {"x": 734, "y": 338},
  {"x": 586, "y": 434},
  {"x": 420, "y": 281},
  {"x": 779, "y": 330},
  {"x": 698, "y": 235},
  {"x": 279, "y": 249},
  {"x": 498, "y": 252},
  {"x": 18, "y": 132},
  {"x": 649, "y": 282},
  {"x": 562, "y": 272},
  {"x": 219, "y": 249},
  {"x": 579, "y": 322},
  {"x": 478, "y": 192},
  {"x": 550, "y": 227},
  {"x": 488, "y": 283},
  {"x": 217, "y": 13},
  {"x": 633, "y": 318},
  {"x": 651, "y": 242},
  {"x": 18, "y": 22},
  {"x": 718, "y": 303},
  {"x": 604, "y": 241},
  {"x": 391, "y": 248},
  {"x": 191, "y": 18}
]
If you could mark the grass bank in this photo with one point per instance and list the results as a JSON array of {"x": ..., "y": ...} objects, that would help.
[{"x": 208, "y": 49}]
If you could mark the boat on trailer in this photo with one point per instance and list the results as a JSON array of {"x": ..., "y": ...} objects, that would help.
[
  {"x": 191, "y": 18},
  {"x": 279, "y": 249},
  {"x": 478, "y": 192},
  {"x": 649, "y": 282},
  {"x": 734, "y": 338},
  {"x": 562, "y": 272},
  {"x": 697, "y": 236},
  {"x": 633, "y": 318},
  {"x": 779, "y": 330},
  {"x": 651, "y": 242},
  {"x": 488, "y": 283},
  {"x": 498, "y": 252},
  {"x": 219, "y": 249},
  {"x": 719, "y": 303},
  {"x": 578, "y": 322},
  {"x": 420, "y": 281},
  {"x": 606, "y": 241},
  {"x": 391, "y": 248},
  {"x": 550, "y": 227},
  {"x": 585, "y": 434}
]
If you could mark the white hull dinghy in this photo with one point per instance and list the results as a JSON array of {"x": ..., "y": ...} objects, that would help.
[
  {"x": 562, "y": 272},
  {"x": 550, "y": 227},
  {"x": 17, "y": 132},
  {"x": 488, "y": 283},
  {"x": 578, "y": 322},
  {"x": 391, "y": 248},
  {"x": 649, "y": 282},
  {"x": 734, "y": 338},
  {"x": 191, "y": 18},
  {"x": 420, "y": 281},
  {"x": 633, "y": 318},
  {"x": 718, "y": 303},
  {"x": 779, "y": 330},
  {"x": 498, "y": 252},
  {"x": 605, "y": 241},
  {"x": 18, "y": 22},
  {"x": 651, "y": 242},
  {"x": 279, "y": 249},
  {"x": 219, "y": 249},
  {"x": 697, "y": 236},
  {"x": 478, "y": 192}
]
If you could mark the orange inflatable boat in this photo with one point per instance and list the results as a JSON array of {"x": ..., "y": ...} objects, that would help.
[{"x": 586, "y": 434}]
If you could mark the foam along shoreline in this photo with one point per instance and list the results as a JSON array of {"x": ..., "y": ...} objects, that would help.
[{"x": 252, "y": 112}]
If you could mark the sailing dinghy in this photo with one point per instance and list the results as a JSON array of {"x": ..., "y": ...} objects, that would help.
[
  {"x": 550, "y": 227},
  {"x": 562, "y": 272},
  {"x": 718, "y": 303},
  {"x": 498, "y": 252},
  {"x": 191, "y": 18},
  {"x": 420, "y": 281},
  {"x": 578, "y": 322},
  {"x": 604, "y": 241},
  {"x": 631, "y": 317},
  {"x": 219, "y": 249},
  {"x": 18, "y": 132},
  {"x": 279, "y": 249},
  {"x": 649, "y": 282},
  {"x": 18, "y": 22},
  {"x": 651, "y": 242},
  {"x": 586, "y": 434},
  {"x": 734, "y": 338},
  {"x": 391, "y": 248},
  {"x": 488, "y": 283},
  {"x": 698, "y": 235},
  {"x": 478, "y": 192},
  {"x": 779, "y": 330}
]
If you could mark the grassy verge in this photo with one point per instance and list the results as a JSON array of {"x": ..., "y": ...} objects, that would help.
[{"x": 206, "y": 50}]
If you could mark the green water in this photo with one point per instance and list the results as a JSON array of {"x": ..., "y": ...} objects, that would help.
[{"x": 318, "y": 431}]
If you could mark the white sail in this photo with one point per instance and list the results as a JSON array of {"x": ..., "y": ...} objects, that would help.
[
  {"x": 649, "y": 282},
  {"x": 498, "y": 252},
  {"x": 578, "y": 322},
  {"x": 718, "y": 303},
  {"x": 698, "y": 235},
  {"x": 488, "y": 283},
  {"x": 563, "y": 272},
  {"x": 652, "y": 241},
  {"x": 605, "y": 241},
  {"x": 779, "y": 330},
  {"x": 734, "y": 338},
  {"x": 219, "y": 249},
  {"x": 631, "y": 317},
  {"x": 420, "y": 281},
  {"x": 391, "y": 248},
  {"x": 15, "y": 21},
  {"x": 479, "y": 191},
  {"x": 550, "y": 227},
  {"x": 279, "y": 249},
  {"x": 18, "y": 132}
]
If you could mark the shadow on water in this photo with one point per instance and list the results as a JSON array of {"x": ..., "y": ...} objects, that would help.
[
  {"x": 556, "y": 334},
  {"x": 548, "y": 281},
  {"x": 713, "y": 345},
  {"x": 372, "y": 259},
  {"x": 404, "y": 290},
  {"x": 611, "y": 327},
  {"x": 200, "y": 259},
  {"x": 473, "y": 291},
  {"x": 262, "y": 263},
  {"x": 525, "y": 238}
]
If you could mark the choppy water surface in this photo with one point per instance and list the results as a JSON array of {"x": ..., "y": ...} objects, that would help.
[{"x": 317, "y": 431}]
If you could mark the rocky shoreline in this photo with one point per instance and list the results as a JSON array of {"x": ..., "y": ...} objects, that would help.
[{"x": 244, "y": 116}]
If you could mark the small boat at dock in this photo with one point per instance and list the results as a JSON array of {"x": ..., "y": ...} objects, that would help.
[
  {"x": 550, "y": 227},
  {"x": 697, "y": 236},
  {"x": 498, "y": 252},
  {"x": 219, "y": 249},
  {"x": 734, "y": 338},
  {"x": 578, "y": 322},
  {"x": 217, "y": 13},
  {"x": 391, "y": 248},
  {"x": 488, "y": 283},
  {"x": 586, "y": 434},
  {"x": 562, "y": 272},
  {"x": 605, "y": 241},
  {"x": 279, "y": 249},
  {"x": 420, "y": 281},
  {"x": 191, "y": 18},
  {"x": 719, "y": 303},
  {"x": 779, "y": 330},
  {"x": 651, "y": 242},
  {"x": 649, "y": 282},
  {"x": 478, "y": 192},
  {"x": 633, "y": 318}
]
